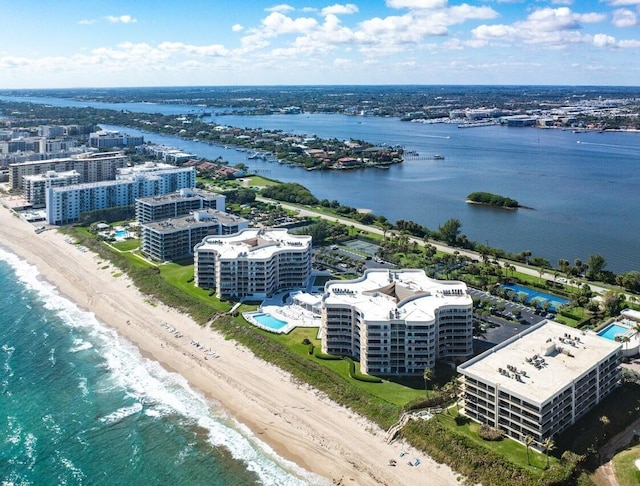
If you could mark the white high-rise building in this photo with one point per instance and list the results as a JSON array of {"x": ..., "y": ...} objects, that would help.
[
  {"x": 254, "y": 263},
  {"x": 65, "y": 204},
  {"x": 397, "y": 322}
]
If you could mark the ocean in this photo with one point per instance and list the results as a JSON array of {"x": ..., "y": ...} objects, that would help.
[{"x": 81, "y": 405}]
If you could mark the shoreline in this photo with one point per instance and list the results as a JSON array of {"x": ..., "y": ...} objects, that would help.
[{"x": 297, "y": 422}]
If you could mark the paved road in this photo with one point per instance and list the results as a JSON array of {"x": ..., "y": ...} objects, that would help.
[{"x": 533, "y": 271}]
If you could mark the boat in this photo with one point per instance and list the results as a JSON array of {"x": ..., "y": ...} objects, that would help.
[{"x": 438, "y": 157}]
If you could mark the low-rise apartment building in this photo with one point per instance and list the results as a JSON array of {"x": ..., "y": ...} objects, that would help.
[
  {"x": 175, "y": 238},
  {"x": 540, "y": 381},
  {"x": 177, "y": 204},
  {"x": 397, "y": 322}
]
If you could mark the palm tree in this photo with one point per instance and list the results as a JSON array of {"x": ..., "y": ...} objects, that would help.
[
  {"x": 636, "y": 328},
  {"x": 548, "y": 445},
  {"x": 528, "y": 440},
  {"x": 427, "y": 376},
  {"x": 625, "y": 340}
]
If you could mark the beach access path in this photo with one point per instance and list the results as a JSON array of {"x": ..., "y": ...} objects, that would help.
[{"x": 298, "y": 422}]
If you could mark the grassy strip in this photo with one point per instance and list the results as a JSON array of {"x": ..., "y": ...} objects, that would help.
[
  {"x": 624, "y": 466},
  {"x": 480, "y": 463}
]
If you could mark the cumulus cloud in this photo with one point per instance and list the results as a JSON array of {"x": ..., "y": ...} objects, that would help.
[
  {"x": 603, "y": 40},
  {"x": 623, "y": 3},
  {"x": 283, "y": 7},
  {"x": 237, "y": 28},
  {"x": 121, "y": 19},
  {"x": 417, "y": 4},
  {"x": 624, "y": 17},
  {"x": 180, "y": 47},
  {"x": 338, "y": 9},
  {"x": 553, "y": 27}
]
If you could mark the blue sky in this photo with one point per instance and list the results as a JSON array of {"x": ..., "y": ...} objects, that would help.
[{"x": 88, "y": 43}]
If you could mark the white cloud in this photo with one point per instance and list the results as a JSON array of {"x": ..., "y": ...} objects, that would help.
[
  {"x": 629, "y": 44},
  {"x": 121, "y": 19},
  {"x": 283, "y": 7},
  {"x": 277, "y": 23},
  {"x": 552, "y": 27},
  {"x": 417, "y": 4},
  {"x": 86, "y": 22},
  {"x": 623, "y": 3},
  {"x": 189, "y": 49},
  {"x": 338, "y": 9},
  {"x": 624, "y": 17},
  {"x": 603, "y": 40},
  {"x": 237, "y": 28}
]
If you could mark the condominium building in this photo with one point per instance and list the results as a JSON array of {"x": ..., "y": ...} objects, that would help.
[
  {"x": 35, "y": 186},
  {"x": 254, "y": 263},
  {"x": 65, "y": 204},
  {"x": 397, "y": 322},
  {"x": 109, "y": 139},
  {"x": 177, "y": 204},
  {"x": 540, "y": 381},
  {"x": 175, "y": 238},
  {"x": 93, "y": 167}
]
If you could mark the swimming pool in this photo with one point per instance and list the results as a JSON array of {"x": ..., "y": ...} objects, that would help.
[
  {"x": 612, "y": 330},
  {"x": 269, "y": 322},
  {"x": 121, "y": 233},
  {"x": 536, "y": 297}
]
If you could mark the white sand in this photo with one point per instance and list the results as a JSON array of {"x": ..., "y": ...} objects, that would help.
[{"x": 298, "y": 422}]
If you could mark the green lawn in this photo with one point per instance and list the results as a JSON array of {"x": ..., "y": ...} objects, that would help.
[
  {"x": 260, "y": 181},
  {"x": 624, "y": 466},
  {"x": 391, "y": 392},
  {"x": 180, "y": 276},
  {"x": 126, "y": 245},
  {"x": 513, "y": 451}
]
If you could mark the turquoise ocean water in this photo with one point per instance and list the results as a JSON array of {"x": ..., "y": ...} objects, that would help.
[{"x": 80, "y": 405}]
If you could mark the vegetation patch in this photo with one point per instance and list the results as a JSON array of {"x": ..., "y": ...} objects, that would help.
[{"x": 490, "y": 199}]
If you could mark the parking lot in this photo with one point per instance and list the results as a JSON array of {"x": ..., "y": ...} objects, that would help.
[{"x": 500, "y": 329}]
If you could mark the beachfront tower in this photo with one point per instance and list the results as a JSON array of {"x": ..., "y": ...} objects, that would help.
[
  {"x": 254, "y": 263},
  {"x": 397, "y": 322}
]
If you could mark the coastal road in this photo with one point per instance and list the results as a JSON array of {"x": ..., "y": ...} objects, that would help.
[{"x": 527, "y": 270}]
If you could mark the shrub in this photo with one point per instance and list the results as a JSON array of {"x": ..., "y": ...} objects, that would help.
[
  {"x": 490, "y": 433},
  {"x": 311, "y": 348}
]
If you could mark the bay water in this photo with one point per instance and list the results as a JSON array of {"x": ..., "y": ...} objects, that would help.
[
  {"x": 582, "y": 187},
  {"x": 80, "y": 405}
]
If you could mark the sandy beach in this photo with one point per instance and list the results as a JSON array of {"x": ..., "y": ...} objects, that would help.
[{"x": 299, "y": 423}]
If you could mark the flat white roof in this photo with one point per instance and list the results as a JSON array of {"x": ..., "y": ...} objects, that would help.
[
  {"x": 409, "y": 294},
  {"x": 551, "y": 355},
  {"x": 255, "y": 243}
]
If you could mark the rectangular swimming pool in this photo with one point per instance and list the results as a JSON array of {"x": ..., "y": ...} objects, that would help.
[{"x": 612, "y": 330}]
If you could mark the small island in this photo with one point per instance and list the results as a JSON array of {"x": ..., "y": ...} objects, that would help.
[{"x": 494, "y": 200}]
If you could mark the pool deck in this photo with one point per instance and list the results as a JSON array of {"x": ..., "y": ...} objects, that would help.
[
  {"x": 630, "y": 348},
  {"x": 293, "y": 315}
]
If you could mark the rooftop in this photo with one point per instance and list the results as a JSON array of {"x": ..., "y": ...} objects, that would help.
[
  {"x": 541, "y": 361},
  {"x": 182, "y": 195},
  {"x": 203, "y": 218},
  {"x": 255, "y": 243},
  {"x": 408, "y": 294}
]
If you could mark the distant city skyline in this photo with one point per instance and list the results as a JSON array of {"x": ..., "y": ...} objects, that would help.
[{"x": 74, "y": 44}]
